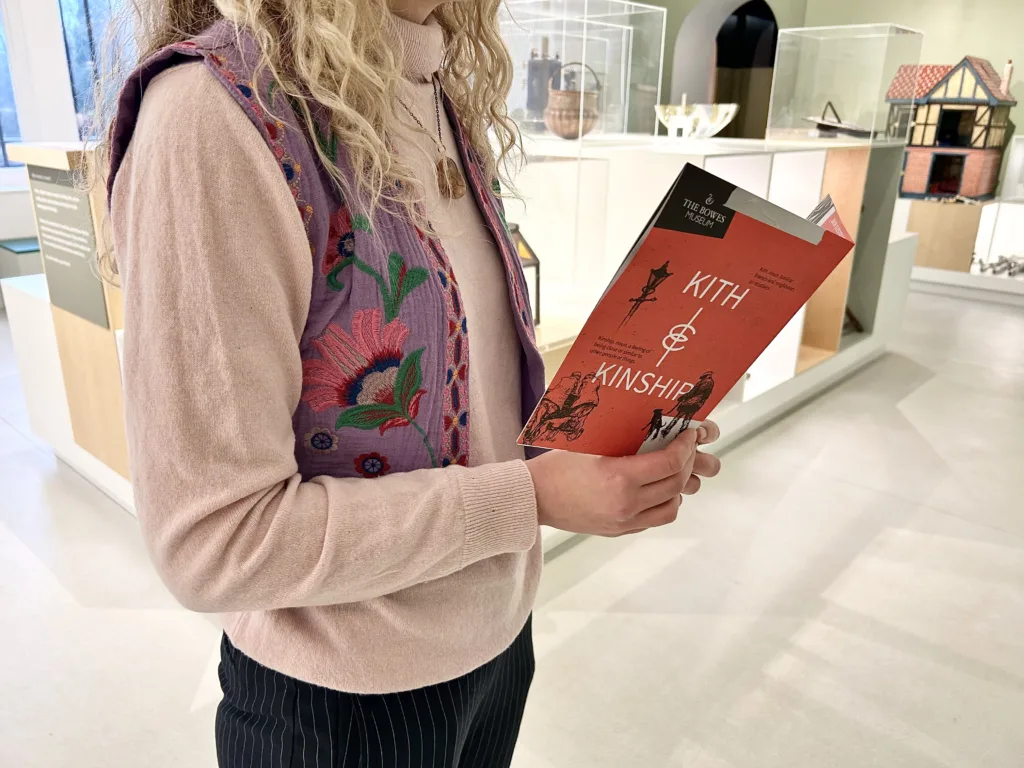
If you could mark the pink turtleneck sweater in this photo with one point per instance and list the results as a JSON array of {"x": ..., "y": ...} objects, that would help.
[{"x": 358, "y": 585}]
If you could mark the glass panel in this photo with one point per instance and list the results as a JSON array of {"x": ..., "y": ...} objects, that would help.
[
  {"x": 856, "y": 69},
  {"x": 9, "y": 130},
  {"x": 615, "y": 49},
  {"x": 88, "y": 38}
]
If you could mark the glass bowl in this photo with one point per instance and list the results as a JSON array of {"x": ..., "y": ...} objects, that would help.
[{"x": 696, "y": 121}]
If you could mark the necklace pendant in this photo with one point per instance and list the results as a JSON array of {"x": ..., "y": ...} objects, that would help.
[{"x": 449, "y": 179}]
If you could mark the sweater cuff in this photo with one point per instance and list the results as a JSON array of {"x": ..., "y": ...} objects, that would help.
[{"x": 500, "y": 508}]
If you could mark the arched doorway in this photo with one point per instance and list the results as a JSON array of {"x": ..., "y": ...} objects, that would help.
[
  {"x": 749, "y": 34},
  {"x": 745, "y": 57}
]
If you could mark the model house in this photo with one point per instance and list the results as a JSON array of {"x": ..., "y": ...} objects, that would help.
[{"x": 957, "y": 118}]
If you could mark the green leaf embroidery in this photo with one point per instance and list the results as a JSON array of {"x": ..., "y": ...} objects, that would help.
[
  {"x": 390, "y": 306},
  {"x": 414, "y": 278},
  {"x": 361, "y": 223},
  {"x": 332, "y": 277},
  {"x": 270, "y": 92},
  {"x": 366, "y": 417},
  {"x": 403, "y": 281},
  {"x": 408, "y": 380},
  {"x": 395, "y": 269}
]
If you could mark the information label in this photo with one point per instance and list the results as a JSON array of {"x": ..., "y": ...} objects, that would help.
[{"x": 67, "y": 241}]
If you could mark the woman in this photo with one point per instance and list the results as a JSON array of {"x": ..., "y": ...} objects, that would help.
[{"x": 328, "y": 359}]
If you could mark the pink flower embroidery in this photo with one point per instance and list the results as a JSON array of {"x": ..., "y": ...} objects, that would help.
[{"x": 366, "y": 373}]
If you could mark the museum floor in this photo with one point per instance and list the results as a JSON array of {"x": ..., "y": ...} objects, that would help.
[{"x": 850, "y": 592}]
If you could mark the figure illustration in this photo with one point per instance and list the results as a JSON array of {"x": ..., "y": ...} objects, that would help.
[
  {"x": 655, "y": 425},
  {"x": 689, "y": 404},
  {"x": 564, "y": 409},
  {"x": 656, "y": 278}
]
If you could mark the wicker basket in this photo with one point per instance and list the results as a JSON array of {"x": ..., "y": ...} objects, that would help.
[{"x": 571, "y": 114}]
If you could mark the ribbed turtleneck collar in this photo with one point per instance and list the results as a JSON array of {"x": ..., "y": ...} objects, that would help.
[{"x": 421, "y": 45}]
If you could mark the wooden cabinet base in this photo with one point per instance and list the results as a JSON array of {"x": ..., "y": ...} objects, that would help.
[{"x": 948, "y": 232}]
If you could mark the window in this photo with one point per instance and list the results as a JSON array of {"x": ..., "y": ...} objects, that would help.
[
  {"x": 8, "y": 115},
  {"x": 87, "y": 33}
]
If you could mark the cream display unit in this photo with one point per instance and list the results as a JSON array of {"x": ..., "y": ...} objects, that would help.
[
  {"x": 962, "y": 245},
  {"x": 977, "y": 250},
  {"x": 64, "y": 324}
]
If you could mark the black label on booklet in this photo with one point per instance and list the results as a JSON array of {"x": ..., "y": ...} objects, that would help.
[{"x": 697, "y": 205}]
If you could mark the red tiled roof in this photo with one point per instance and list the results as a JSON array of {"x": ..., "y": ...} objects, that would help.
[
  {"x": 992, "y": 79},
  {"x": 927, "y": 76}
]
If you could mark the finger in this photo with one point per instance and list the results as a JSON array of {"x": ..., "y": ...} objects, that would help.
[
  {"x": 706, "y": 464},
  {"x": 653, "y": 494},
  {"x": 630, "y": 532},
  {"x": 708, "y": 432},
  {"x": 657, "y": 465},
  {"x": 663, "y": 514},
  {"x": 692, "y": 486}
]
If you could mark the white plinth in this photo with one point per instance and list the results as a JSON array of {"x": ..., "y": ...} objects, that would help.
[{"x": 42, "y": 382}]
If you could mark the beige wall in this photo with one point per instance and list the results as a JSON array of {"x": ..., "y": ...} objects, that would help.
[{"x": 788, "y": 13}]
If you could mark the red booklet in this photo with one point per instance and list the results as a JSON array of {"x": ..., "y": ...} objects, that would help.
[{"x": 715, "y": 277}]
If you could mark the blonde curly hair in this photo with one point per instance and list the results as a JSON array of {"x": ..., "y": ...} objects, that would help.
[{"x": 336, "y": 54}]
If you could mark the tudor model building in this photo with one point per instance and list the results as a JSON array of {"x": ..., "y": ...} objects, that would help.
[{"x": 957, "y": 118}]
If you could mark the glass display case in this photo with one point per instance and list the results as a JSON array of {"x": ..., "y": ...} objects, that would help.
[
  {"x": 852, "y": 82},
  {"x": 584, "y": 66},
  {"x": 1013, "y": 176}
]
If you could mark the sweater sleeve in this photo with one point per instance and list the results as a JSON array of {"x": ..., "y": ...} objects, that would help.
[{"x": 216, "y": 274}]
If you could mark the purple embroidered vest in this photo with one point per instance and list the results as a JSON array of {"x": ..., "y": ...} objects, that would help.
[{"x": 384, "y": 350}]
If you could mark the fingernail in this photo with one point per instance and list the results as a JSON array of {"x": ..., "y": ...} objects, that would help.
[{"x": 702, "y": 434}]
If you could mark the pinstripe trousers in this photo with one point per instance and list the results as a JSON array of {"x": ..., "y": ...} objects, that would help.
[{"x": 269, "y": 720}]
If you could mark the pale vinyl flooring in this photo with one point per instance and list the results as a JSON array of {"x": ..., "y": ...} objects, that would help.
[{"x": 850, "y": 592}]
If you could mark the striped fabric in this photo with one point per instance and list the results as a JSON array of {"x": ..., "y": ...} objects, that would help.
[{"x": 270, "y": 720}]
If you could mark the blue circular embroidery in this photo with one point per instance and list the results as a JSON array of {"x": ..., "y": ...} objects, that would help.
[
  {"x": 322, "y": 441},
  {"x": 347, "y": 245}
]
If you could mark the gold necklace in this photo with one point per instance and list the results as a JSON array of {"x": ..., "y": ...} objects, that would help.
[{"x": 450, "y": 180}]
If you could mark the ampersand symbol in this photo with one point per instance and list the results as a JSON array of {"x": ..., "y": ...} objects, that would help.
[{"x": 677, "y": 338}]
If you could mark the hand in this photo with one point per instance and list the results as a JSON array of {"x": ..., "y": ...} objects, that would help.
[
  {"x": 706, "y": 464},
  {"x": 615, "y": 496}
]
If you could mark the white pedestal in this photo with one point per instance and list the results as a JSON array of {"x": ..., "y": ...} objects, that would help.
[{"x": 42, "y": 382}]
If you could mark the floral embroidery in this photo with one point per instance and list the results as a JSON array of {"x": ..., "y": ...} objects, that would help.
[
  {"x": 341, "y": 245},
  {"x": 401, "y": 280},
  {"x": 371, "y": 465},
  {"x": 322, "y": 441},
  {"x": 366, "y": 373},
  {"x": 456, "y": 393}
]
